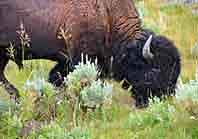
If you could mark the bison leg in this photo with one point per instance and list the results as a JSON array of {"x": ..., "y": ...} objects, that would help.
[
  {"x": 56, "y": 75},
  {"x": 6, "y": 84},
  {"x": 60, "y": 70}
]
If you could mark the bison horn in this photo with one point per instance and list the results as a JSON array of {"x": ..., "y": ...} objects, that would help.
[{"x": 146, "y": 52}]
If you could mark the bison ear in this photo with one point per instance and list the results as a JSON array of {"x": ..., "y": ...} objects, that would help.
[{"x": 146, "y": 51}]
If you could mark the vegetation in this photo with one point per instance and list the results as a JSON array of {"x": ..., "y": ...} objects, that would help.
[{"x": 88, "y": 108}]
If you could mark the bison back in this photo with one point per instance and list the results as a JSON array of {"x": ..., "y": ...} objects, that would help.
[{"x": 94, "y": 25}]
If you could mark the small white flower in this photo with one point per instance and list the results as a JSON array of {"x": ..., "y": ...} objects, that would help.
[{"x": 192, "y": 118}]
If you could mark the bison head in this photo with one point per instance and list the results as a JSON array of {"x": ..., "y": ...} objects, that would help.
[{"x": 151, "y": 64}]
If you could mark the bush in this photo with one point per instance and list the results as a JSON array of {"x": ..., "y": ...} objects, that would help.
[
  {"x": 38, "y": 99},
  {"x": 158, "y": 112},
  {"x": 83, "y": 83},
  {"x": 188, "y": 91},
  {"x": 55, "y": 131},
  {"x": 96, "y": 94},
  {"x": 4, "y": 106},
  {"x": 39, "y": 85},
  {"x": 83, "y": 71},
  {"x": 10, "y": 125}
]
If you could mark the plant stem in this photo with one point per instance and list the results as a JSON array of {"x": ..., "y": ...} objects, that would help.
[{"x": 76, "y": 105}]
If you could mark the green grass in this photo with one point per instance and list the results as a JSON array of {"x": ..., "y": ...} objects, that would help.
[
  {"x": 179, "y": 24},
  {"x": 52, "y": 113},
  {"x": 52, "y": 116}
]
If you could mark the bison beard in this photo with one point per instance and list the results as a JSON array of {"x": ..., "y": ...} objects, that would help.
[{"x": 104, "y": 29}]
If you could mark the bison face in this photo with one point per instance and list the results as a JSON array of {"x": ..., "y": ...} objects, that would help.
[{"x": 151, "y": 65}]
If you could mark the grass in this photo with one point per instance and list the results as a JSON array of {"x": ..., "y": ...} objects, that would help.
[
  {"x": 179, "y": 24},
  {"x": 51, "y": 115}
]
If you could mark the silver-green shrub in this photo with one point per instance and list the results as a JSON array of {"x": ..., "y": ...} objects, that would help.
[
  {"x": 39, "y": 85},
  {"x": 96, "y": 94},
  {"x": 4, "y": 106},
  {"x": 87, "y": 70},
  {"x": 84, "y": 90},
  {"x": 188, "y": 91}
]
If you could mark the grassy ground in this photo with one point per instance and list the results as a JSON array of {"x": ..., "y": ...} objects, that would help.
[
  {"x": 179, "y": 24},
  {"x": 174, "y": 118}
]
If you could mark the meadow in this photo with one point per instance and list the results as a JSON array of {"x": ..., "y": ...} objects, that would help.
[{"x": 46, "y": 112}]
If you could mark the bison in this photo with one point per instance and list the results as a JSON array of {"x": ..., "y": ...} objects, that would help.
[{"x": 60, "y": 30}]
